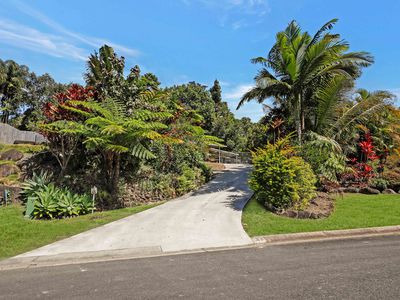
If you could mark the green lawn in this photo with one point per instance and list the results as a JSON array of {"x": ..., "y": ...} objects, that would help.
[
  {"x": 18, "y": 235},
  {"x": 352, "y": 211}
]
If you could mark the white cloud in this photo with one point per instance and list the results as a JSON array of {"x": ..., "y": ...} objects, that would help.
[
  {"x": 252, "y": 110},
  {"x": 232, "y": 12},
  {"x": 65, "y": 43},
  {"x": 21, "y": 36},
  {"x": 237, "y": 92},
  {"x": 256, "y": 7},
  {"x": 396, "y": 92}
]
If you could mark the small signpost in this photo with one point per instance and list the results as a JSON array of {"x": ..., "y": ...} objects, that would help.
[
  {"x": 5, "y": 197},
  {"x": 93, "y": 191}
]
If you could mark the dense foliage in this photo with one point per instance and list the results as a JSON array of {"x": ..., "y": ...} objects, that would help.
[
  {"x": 22, "y": 93},
  {"x": 345, "y": 134},
  {"x": 281, "y": 178},
  {"x": 132, "y": 138}
]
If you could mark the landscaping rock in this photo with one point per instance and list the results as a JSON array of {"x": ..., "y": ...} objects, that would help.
[
  {"x": 350, "y": 190},
  {"x": 291, "y": 214},
  {"x": 388, "y": 191},
  {"x": 12, "y": 154},
  {"x": 320, "y": 207},
  {"x": 304, "y": 214},
  {"x": 8, "y": 169},
  {"x": 369, "y": 191}
]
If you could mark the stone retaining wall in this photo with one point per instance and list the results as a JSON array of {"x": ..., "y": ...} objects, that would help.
[{"x": 11, "y": 135}]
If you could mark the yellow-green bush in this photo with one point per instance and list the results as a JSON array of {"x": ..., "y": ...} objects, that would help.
[{"x": 280, "y": 178}]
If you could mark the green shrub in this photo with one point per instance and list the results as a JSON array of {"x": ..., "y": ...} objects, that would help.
[
  {"x": 393, "y": 178},
  {"x": 379, "y": 183},
  {"x": 325, "y": 157},
  {"x": 280, "y": 178},
  {"x": 187, "y": 181}
]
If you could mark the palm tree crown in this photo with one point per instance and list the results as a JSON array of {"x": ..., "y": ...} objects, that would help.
[{"x": 298, "y": 65}]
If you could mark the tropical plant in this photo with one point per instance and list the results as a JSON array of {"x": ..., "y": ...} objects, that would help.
[
  {"x": 68, "y": 204},
  {"x": 34, "y": 184},
  {"x": 325, "y": 156},
  {"x": 85, "y": 204},
  {"x": 45, "y": 202},
  {"x": 298, "y": 65},
  {"x": 110, "y": 130}
]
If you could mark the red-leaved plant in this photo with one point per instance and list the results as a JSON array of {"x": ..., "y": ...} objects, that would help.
[
  {"x": 56, "y": 111},
  {"x": 363, "y": 164}
]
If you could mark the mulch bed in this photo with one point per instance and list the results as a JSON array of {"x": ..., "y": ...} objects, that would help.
[{"x": 320, "y": 207}]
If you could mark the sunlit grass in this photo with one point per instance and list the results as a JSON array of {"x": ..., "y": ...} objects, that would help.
[
  {"x": 18, "y": 235},
  {"x": 352, "y": 211}
]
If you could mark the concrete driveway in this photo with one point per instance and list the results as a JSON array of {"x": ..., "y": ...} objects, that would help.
[{"x": 207, "y": 218}]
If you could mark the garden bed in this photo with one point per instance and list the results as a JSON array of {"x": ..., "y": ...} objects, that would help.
[
  {"x": 351, "y": 211},
  {"x": 320, "y": 207}
]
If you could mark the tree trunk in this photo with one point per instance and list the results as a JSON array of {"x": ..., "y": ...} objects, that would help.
[
  {"x": 299, "y": 118},
  {"x": 116, "y": 173}
]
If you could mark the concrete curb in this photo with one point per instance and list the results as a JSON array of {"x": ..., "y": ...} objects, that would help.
[
  {"x": 325, "y": 235},
  {"x": 147, "y": 252},
  {"x": 99, "y": 256}
]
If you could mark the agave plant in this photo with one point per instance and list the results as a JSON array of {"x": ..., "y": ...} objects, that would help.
[
  {"x": 45, "y": 202},
  {"x": 35, "y": 184},
  {"x": 86, "y": 204},
  {"x": 69, "y": 204}
]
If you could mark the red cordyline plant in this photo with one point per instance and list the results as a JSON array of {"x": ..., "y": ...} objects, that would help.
[
  {"x": 362, "y": 165},
  {"x": 55, "y": 111}
]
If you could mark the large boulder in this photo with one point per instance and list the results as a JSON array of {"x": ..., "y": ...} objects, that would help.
[
  {"x": 12, "y": 154},
  {"x": 8, "y": 169},
  {"x": 369, "y": 191},
  {"x": 388, "y": 191},
  {"x": 350, "y": 189}
]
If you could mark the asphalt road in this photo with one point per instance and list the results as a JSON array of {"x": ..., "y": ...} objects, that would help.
[{"x": 367, "y": 268}]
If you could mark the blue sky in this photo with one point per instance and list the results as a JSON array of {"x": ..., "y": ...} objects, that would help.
[{"x": 191, "y": 40}]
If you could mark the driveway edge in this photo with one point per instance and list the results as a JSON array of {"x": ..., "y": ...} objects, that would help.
[
  {"x": 324, "y": 235},
  {"x": 147, "y": 252}
]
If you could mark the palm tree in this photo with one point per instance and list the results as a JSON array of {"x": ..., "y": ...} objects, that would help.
[{"x": 298, "y": 65}]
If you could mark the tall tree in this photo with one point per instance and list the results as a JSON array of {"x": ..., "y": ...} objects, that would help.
[
  {"x": 216, "y": 92},
  {"x": 296, "y": 67},
  {"x": 196, "y": 97},
  {"x": 39, "y": 90},
  {"x": 12, "y": 82},
  {"x": 105, "y": 72}
]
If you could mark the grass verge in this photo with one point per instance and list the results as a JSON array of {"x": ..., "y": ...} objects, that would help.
[
  {"x": 351, "y": 211},
  {"x": 19, "y": 235}
]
